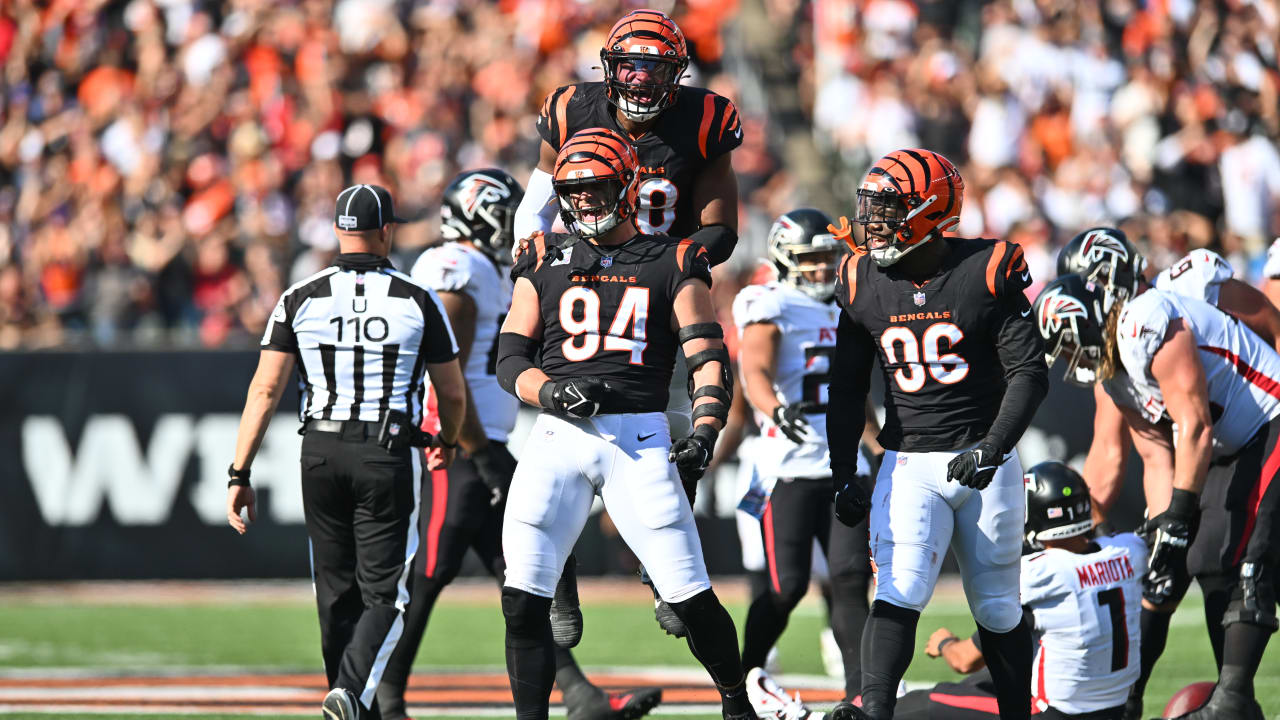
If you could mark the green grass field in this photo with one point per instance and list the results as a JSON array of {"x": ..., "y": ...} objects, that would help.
[{"x": 464, "y": 633}]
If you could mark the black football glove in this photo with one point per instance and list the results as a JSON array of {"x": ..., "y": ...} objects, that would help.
[
  {"x": 1172, "y": 531},
  {"x": 495, "y": 465},
  {"x": 852, "y": 495},
  {"x": 575, "y": 397},
  {"x": 692, "y": 454},
  {"x": 791, "y": 422},
  {"x": 975, "y": 468}
]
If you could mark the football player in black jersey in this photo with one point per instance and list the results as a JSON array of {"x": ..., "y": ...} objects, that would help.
[
  {"x": 964, "y": 372},
  {"x": 685, "y": 185},
  {"x": 682, "y": 136},
  {"x": 596, "y": 318}
]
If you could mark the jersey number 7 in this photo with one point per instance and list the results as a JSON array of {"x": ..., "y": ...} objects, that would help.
[{"x": 583, "y": 323}]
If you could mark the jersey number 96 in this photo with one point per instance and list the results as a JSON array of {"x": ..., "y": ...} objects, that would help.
[{"x": 946, "y": 368}]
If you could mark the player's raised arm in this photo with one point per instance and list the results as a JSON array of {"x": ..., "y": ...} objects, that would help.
[{"x": 537, "y": 209}]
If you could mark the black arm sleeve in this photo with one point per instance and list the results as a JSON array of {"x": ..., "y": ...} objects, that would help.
[
  {"x": 515, "y": 355},
  {"x": 718, "y": 239},
  {"x": 1021, "y": 353},
  {"x": 850, "y": 382}
]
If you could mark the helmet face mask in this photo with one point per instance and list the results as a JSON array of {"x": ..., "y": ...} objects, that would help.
[
  {"x": 590, "y": 206},
  {"x": 479, "y": 207},
  {"x": 805, "y": 253},
  {"x": 649, "y": 42}
]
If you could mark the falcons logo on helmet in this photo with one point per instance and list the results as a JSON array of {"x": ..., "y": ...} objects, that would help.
[
  {"x": 1057, "y": 308},
  {"x": 1102, "y": 245},
  {"x": 478, "y": 190}
]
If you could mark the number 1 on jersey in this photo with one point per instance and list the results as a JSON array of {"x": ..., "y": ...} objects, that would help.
[{"x": 633, "y": 312}]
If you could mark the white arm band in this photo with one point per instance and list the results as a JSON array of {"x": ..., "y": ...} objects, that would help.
[{"x": 538, "y": 209}]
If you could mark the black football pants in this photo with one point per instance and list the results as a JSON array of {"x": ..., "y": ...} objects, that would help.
[
  {"x": 361, "y": 504},
  {"x": 455, "y": 515},
  {"x": 799, "y": 511}
]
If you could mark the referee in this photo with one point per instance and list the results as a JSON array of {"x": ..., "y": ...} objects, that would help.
[{"x": 362, "y": 334}]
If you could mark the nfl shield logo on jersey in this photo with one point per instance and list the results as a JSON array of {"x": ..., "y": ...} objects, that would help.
[
  {"x": 918, "y": 298},
  {"x": 606, "y": 261}
]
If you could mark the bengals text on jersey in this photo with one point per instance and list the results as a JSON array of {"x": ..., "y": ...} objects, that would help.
[
  {"x": 945, "y": 345},
  {"x": 607, "y": 311},
  {"x": 697, "y": 128}
]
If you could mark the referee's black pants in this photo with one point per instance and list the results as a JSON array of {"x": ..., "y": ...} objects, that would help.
[{"x": 361, "y": 504}]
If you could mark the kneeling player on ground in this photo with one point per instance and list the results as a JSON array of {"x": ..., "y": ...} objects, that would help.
[
  {"x": 964, "y": 373},
  {"x": 1196, "y": 387},
  {"x": 788, "y": 331},
  {"x": 608, "y": 306}
]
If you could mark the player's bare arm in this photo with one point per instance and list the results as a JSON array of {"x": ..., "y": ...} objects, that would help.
[
  {"x": 1251, "y": 307},
  {"x": 1154, "y": 444},
  {"x": 716, "y": 192},
  {"x": 461, "y": 309},
  {"x": 692, "y": 307},
  {"x": 451, "y": 404},
  {"x": 1177, "y": 369},
  {"x": 265, "y": 390},
  {"x": 758, "y": 361},
  {"x": 1105, "y": 464},
  {"x": 521, "y": 334},
  {"x": 961, "y": 654}
]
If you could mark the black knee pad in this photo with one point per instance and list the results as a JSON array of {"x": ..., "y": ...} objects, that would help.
[
  {"x": 527, "y": 616},
  {"x": 1253, "y": 599}
]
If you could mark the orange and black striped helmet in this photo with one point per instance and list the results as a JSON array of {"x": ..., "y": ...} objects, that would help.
[
  {"x": 600, "y": 160},
  {"x": 916, "y": 193},
  {"x": 644, "y": 42}
]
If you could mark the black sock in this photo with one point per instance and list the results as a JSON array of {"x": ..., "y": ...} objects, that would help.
[
  {"x": 1217, "y": 596},
  {"x": 887, "y": 646},
  {"x": 569, "y": 677},
  {"x": 1154, "y": 628},
  {"x": 1008, "y": 657},
  {"x": 712, "y": 639},
  {"x": 848, "y": 620},
  {"x": 530, "y": 652},
  {"x": 395, "y": 678},
  {"x": 766, "y": 619},
  {"x": 1244, "y": 646}
]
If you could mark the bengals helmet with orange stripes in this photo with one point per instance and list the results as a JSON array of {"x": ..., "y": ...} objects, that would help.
[
  {"x": 650, "y": 42},
  {"x": 914, "y": 196},
  {"x": 595, "y": 166}
]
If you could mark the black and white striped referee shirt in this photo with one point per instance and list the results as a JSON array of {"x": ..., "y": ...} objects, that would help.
[{"x": 362, "y": 333}]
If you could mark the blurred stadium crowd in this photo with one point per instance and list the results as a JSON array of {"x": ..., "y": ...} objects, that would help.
[{"x": 168, "y": 167}]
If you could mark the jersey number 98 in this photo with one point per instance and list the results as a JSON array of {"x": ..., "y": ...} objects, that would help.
[
  {"x": 946, "y": 368},
  {"x": 580, "y": 317},
  {"x": 657, "y": 211}
]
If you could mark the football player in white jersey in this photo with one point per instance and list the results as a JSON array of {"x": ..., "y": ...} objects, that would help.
[
  {"x": 1106, "y": 256},
  {"x": 788, "y": 333},
  {"x": 1201, "y": 394},
  {"x": 463, "y": 507}
]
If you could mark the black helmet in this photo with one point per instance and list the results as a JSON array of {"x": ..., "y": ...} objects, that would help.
[
  {"x": 1058, "y": 504},
  {"x": 480, "y": 206},
  {"x": 1105, "y": 256},
  {"x": 1071, "y": 318},
  {"x": 799, "y": 243}
]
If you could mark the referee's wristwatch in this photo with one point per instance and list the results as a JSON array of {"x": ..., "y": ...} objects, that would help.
[{"x": 238, "y": 477}]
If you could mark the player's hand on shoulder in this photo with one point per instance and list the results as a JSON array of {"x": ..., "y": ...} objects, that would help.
[
  {"x": 692, "y": 454},
  {"x": 519, "y": 247},
  {"x": 495, "y": 465},
  {"x": 791, "y": 422},
  {"x": 975, "y": 467},
  {"x": 575, "y": 397},
  {"x": 852, "y": 495}
]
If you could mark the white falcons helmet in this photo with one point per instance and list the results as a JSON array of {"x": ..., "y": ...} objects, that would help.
[{"x": 805, "y": 252}]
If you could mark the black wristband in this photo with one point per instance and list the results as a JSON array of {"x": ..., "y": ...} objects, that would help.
[
  {"x": 239, "y": 478},
  {"x": 1183, "y": 504},
  {"x": 545, "y": 396},
  {"x": 945, "y": 642},
  {"x": 446, "y": 443}
]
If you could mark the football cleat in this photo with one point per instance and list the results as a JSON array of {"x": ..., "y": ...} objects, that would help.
[
  {"x": 1226, "y": 705},
  {"x": 341, "y": 704},
  {"x": 768, "y": 698},
  {"x": 566, "y": 613},
  {"x": 847, "y": 711},
  {"x": 627, "y": 705},
  {"x": 663, "y": 612}
]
